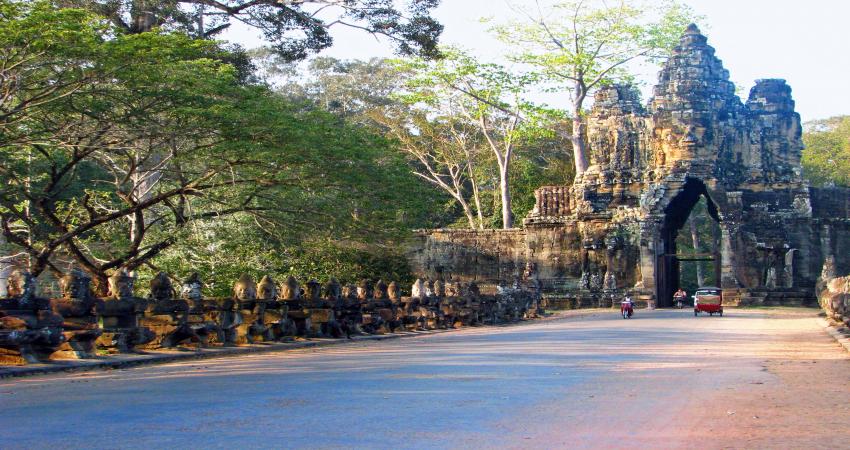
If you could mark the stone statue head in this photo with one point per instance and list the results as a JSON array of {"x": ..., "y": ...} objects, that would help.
[
  {"x": 289, "y": 289},
  {"x": 192, "y": 286},
  {"x": 439, "y": 288},
  {"x": 313, "y": 291},
  {"x": 75, "y": 285},
  {"x": 333, "y": 290},
  {"x": 380, "y": 291},
  {"x": 393, "y": 292},
  {"x": 418, "y": 289},
  {"x": 21, "y": 285},
  {"x": 245, "y": 288},
  {"x": 161, "y": 287},
  {"x": 349, "y": 291},
  {"x": 364, "y": 288},
  {"x": 267, "y": 289},
  {"x": 121, "y": 285}
]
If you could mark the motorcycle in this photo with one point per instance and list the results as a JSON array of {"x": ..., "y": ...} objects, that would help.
[
  {"x": 679, "y": 303},
  {"x": 627, "y": 309}
]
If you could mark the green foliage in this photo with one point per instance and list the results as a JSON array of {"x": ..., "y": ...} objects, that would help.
[
  {"x": 826, "y": 158},
  {"x": 146, "y": 149},
  {"x": 294, "y": 29},
  {"x": 593, "y": 42}
]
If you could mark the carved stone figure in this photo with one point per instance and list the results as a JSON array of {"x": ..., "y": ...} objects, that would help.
[
  {"x": 75, "y": 284},
  {"x": 380, "y": 292},
  {"x": 290, "y": 289},
  {"x": 417, "y": 291},
  {"x": 121, "y": 285},
  {"x": 161, "y": 288},
  {"x": 393, "y": 292},
  {"x": 364, "y": 290},
  {"x": 333, "y": 290},
  {"x": 245, "y": 288},
  {"x": 439, "y": 288},
  {"x": 21, "y": 285},
  {"x": 313, "y": 291},
  {"x": 267, "y": 289}
]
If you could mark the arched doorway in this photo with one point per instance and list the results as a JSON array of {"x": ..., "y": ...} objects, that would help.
[{"x": 676, "y": 213}]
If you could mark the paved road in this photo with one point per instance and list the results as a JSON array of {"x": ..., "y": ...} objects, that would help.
[{"x": 663, "y": 379}]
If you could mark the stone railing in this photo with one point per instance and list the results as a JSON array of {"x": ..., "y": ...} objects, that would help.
[{"x": 79, "y": 325}]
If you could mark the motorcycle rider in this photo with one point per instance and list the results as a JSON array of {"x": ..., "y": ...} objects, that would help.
[
  {"x": 679, "y": 297},
  {"x": 627, "y": 304}
]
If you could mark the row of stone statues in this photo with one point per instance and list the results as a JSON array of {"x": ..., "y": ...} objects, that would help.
[{"x": 80, "y": 325}]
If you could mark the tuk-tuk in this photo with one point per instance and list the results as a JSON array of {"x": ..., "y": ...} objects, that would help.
[{"x": 708, "y": 299}]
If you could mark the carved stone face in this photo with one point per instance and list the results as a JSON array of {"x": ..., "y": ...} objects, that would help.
[
  {"x": 21, "y": 284},
  {"x": 333, "y": 290},
  {"x": 267, "y": 289},
  {"x": 380, "y": 290},
  {"x": 161, "y": 287},
  {"x": 439, "y": 288},
  {"x": 392, "y": 291},
  {"x": 418, "y": 289},
  {"x": 121, "y": 285},
  {"x": 363, "y": 288},
  {"x": 290, "y": 290},
  {"x": 245, "y": 288},
  {"x": 75, "y": 284},
  {"x": 313, "y": 290}
]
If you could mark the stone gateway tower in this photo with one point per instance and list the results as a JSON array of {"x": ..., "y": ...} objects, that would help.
[{"x": 614, "y": 230}]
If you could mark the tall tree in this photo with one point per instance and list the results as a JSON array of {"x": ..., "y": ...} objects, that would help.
[
  {"x": 488, "y": 96},
  {"x": 294, "y": 28},
  {"x": 826, "y": 158},
  {"x": 87, "y": 113},
  {"x": 581, "y": 45}
]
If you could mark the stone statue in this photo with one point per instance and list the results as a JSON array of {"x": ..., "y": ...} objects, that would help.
[
  {"x": 191, "y": 289},
  {"x": 267, "y": 289},
  {"x": 364, "y": 288},
  {"x": 333, "y": 290},
  {"x": 429, "y": 288},
  {"x": 418, "y": 289},
  {"x": 21, "y": 286},
  {"x": 313, "y": 291},
  {"x": 121, "y": 285},
  {"x": 380, "y": 292},
  {"x": 290, "y": 290},
  {"x": 161, "y": 288},
  {"x": 393, "y": 292},
  {"x": 75, "y": 285},
  {"x": 245, "y": 288},
  {"x": 349, "y": 292},
  {"x": 439, "y": 288}
]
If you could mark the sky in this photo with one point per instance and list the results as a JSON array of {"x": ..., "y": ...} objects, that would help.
[{"x": 806, "y": 43}]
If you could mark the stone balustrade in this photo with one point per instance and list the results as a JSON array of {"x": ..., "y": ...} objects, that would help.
[{"x": 79, "y": 325}]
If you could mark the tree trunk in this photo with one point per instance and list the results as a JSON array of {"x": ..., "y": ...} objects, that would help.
[
  {"x": 692, "y": 224},
  {"x": 5, "y": 267},
  {"x": 579, "y": 146},
  {"x": 504, "y": 189},
  {"x": 467, "y": 211},
  {"x": 476, "y": 196}
]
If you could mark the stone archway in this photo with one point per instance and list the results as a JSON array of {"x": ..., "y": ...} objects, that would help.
[{"x": 675, "y": 214}]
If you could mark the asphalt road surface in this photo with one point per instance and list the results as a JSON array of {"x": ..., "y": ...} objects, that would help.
[{"x": 664, "y": 379}]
